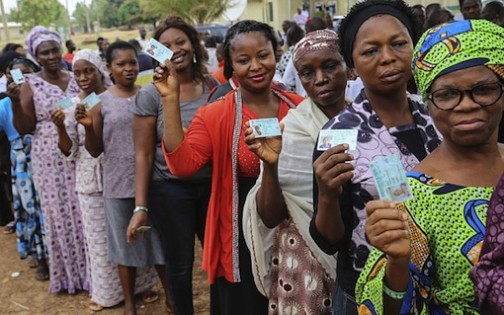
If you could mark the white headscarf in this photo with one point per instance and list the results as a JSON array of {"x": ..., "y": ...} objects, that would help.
[{"x": 92, "y": 57}]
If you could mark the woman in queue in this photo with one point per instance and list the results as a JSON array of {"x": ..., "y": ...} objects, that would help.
[
  {"x": 279, "y": 207},
  {"x": 29, "y": 223},
  {"x": 217, "y": 134},
  {"x": 108, "y": 130},
  {"x": 177, "y": 206},
  {"x": 425, "y": 247},
  {"x": 377, "y": 38},
  {"x": 33, "y": 107}
]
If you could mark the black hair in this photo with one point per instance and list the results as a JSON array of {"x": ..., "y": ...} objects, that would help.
[
  {"x": 315, "y": 24},
  {"x": 6, "y": 58},
  {"x": 11, "y": 47},
  {"x": 98, "y": 40},
  {"x": 461, "y": 3},
  {"x": 346, "y": 23},
  {"x": 437, "y": 17},
  {"x": 211, "y": 42},
  {"x": 418, "y": 6},
  {"x": 243, "y": 27},
  {"x": 135, "y": 44},
  {"x": 118, "y": 45},
  {"x": 198, "y": 68},
  {"x": 24, "y": 61},
  {"x": 294, "y": 35}
]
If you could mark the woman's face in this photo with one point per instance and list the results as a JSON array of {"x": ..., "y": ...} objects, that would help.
[
  {"x": 87, "y": 76},
  {"x": 323, "y": 75},
  {"x": 21, "y": 66},
  {"x": 382, "y": 54},
  {"x": 49, "y": 55},
  {"x": 253, "y": 61},
  {"x": 468, "y": 124},
  {"x": 180, "y": 44},
  {"x": 124, "y": 67}
]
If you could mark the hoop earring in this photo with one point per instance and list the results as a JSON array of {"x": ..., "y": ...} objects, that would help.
[{"x": 194, "y": 57}]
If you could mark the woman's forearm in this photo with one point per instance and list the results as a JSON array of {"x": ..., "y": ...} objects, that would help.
[
  {"x": 397, "y": 277},
  {"x": 173, "y": 133},
  {"x": 270, "y": 201},
  {"x": 328, "y": 220},
  {"x": 93, "y": 143}
]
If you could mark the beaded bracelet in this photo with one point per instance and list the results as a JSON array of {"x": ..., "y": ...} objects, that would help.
[
  {"x": 393, "y": 294},
  {"x": 140, "y": 208}
]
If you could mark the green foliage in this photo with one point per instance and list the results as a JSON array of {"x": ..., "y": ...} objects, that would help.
[
  {"x": 31, "y": 13},
  {"x": 79, "y": 15},
  {"x": 129, "y": 12},
  {"x": 195, "y": 11}
]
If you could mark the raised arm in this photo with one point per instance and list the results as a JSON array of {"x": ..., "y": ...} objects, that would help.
[
  {"x": 64, "y": 141},
  {"x": 270, "y": 201},
  {"x": 93, "y": 124},
  {"x": 22, "y": 107},
  {"x": 331, "y": 172},
  {"x": 167, "y": 84}
]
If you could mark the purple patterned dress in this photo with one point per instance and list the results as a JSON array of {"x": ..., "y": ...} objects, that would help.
[
  {"x": 488, "y": 274},
  {"x": 54, "y": 178}
]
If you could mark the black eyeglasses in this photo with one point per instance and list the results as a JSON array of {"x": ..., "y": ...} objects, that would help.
[{"x": 484, "y": 95}]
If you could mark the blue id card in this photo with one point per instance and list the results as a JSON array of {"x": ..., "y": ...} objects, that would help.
[
  {"x": 17, "y": 76},
  {"x": 64, "y": 103},
  {"x": 158, "y": 51},
  {"x": 390, "y": 178},
  {"x": 329, "y": 138},
  {"x": 265, "y": 127},
  {"x": 91, "y": 100}
]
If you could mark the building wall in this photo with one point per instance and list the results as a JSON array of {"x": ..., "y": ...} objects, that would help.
[{"x": 260, "y": 9}]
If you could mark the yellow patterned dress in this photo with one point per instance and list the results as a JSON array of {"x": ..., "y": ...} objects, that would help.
[{"x": 447, "y": 230}]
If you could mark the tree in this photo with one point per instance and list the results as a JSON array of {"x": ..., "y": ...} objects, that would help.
[
  {"x": 195, "y": 11},
  {"x": 31, "y": 13},
  {"x": 80, "y": 13},
  {"x": 129, "y": 13}
]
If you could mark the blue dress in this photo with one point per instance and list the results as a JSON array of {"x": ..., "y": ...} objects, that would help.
[{"x": 28, "y": 216}]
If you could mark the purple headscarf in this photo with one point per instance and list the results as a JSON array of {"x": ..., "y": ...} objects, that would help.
[
  {"x": 488, "y": 274},
  {"x": 38, "y": 35}
]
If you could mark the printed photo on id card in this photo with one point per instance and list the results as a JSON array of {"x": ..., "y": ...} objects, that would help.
[{"x": 390, "y": 178}]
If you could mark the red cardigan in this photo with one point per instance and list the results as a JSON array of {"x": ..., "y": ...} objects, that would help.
[{"x": 211, "y": 136}]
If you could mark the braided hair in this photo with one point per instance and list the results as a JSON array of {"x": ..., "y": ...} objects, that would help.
[{"x": 243, "y": 27}]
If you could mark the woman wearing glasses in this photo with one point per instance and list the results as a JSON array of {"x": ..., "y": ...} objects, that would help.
[{"x": 425, "y": 247}]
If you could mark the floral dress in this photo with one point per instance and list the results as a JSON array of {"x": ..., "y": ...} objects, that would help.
[{"x": 54, "y": 177}]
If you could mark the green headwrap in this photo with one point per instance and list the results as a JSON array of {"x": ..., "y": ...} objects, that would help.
[{"x": 458, "y": 45}]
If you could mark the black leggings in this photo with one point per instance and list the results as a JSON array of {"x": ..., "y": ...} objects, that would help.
[{"x": 242, "y": 298}]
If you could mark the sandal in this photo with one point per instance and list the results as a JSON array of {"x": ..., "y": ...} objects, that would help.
[
  {"x": 95, "y": 307},
  {"x": 42, "y": 273},
  {"x": 32, "y": 262},
  {"x": 150, "y": 296},
  {"x": 10, "y": 228}
]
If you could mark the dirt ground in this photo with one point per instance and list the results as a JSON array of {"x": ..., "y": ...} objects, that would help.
[{"x": 24, "y": 295}]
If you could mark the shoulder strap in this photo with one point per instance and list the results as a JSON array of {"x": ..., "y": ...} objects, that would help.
[{"x": 210, "y": 81}]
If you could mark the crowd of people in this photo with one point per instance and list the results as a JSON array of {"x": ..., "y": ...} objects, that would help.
[{"x": 109, "y": 198}]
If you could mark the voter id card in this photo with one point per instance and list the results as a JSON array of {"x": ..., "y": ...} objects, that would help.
[
  {"x": 64, "y": 103},
  {"x": 91, "y": 100},
  {"x": 158, "y": 51},
  {"x": 329, "y": 138},
  {"x": 265, "y": 127},
  {"x": 390, "y": 178},
  {"x": 17, "y": 76}
]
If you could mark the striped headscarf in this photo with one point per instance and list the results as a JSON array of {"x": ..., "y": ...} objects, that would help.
[
  {"x": 455, "y": 46},
  {"x": 317, "y": 40}
]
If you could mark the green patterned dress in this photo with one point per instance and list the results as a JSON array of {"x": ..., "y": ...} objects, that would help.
[{"x": 447, "y": 230}]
